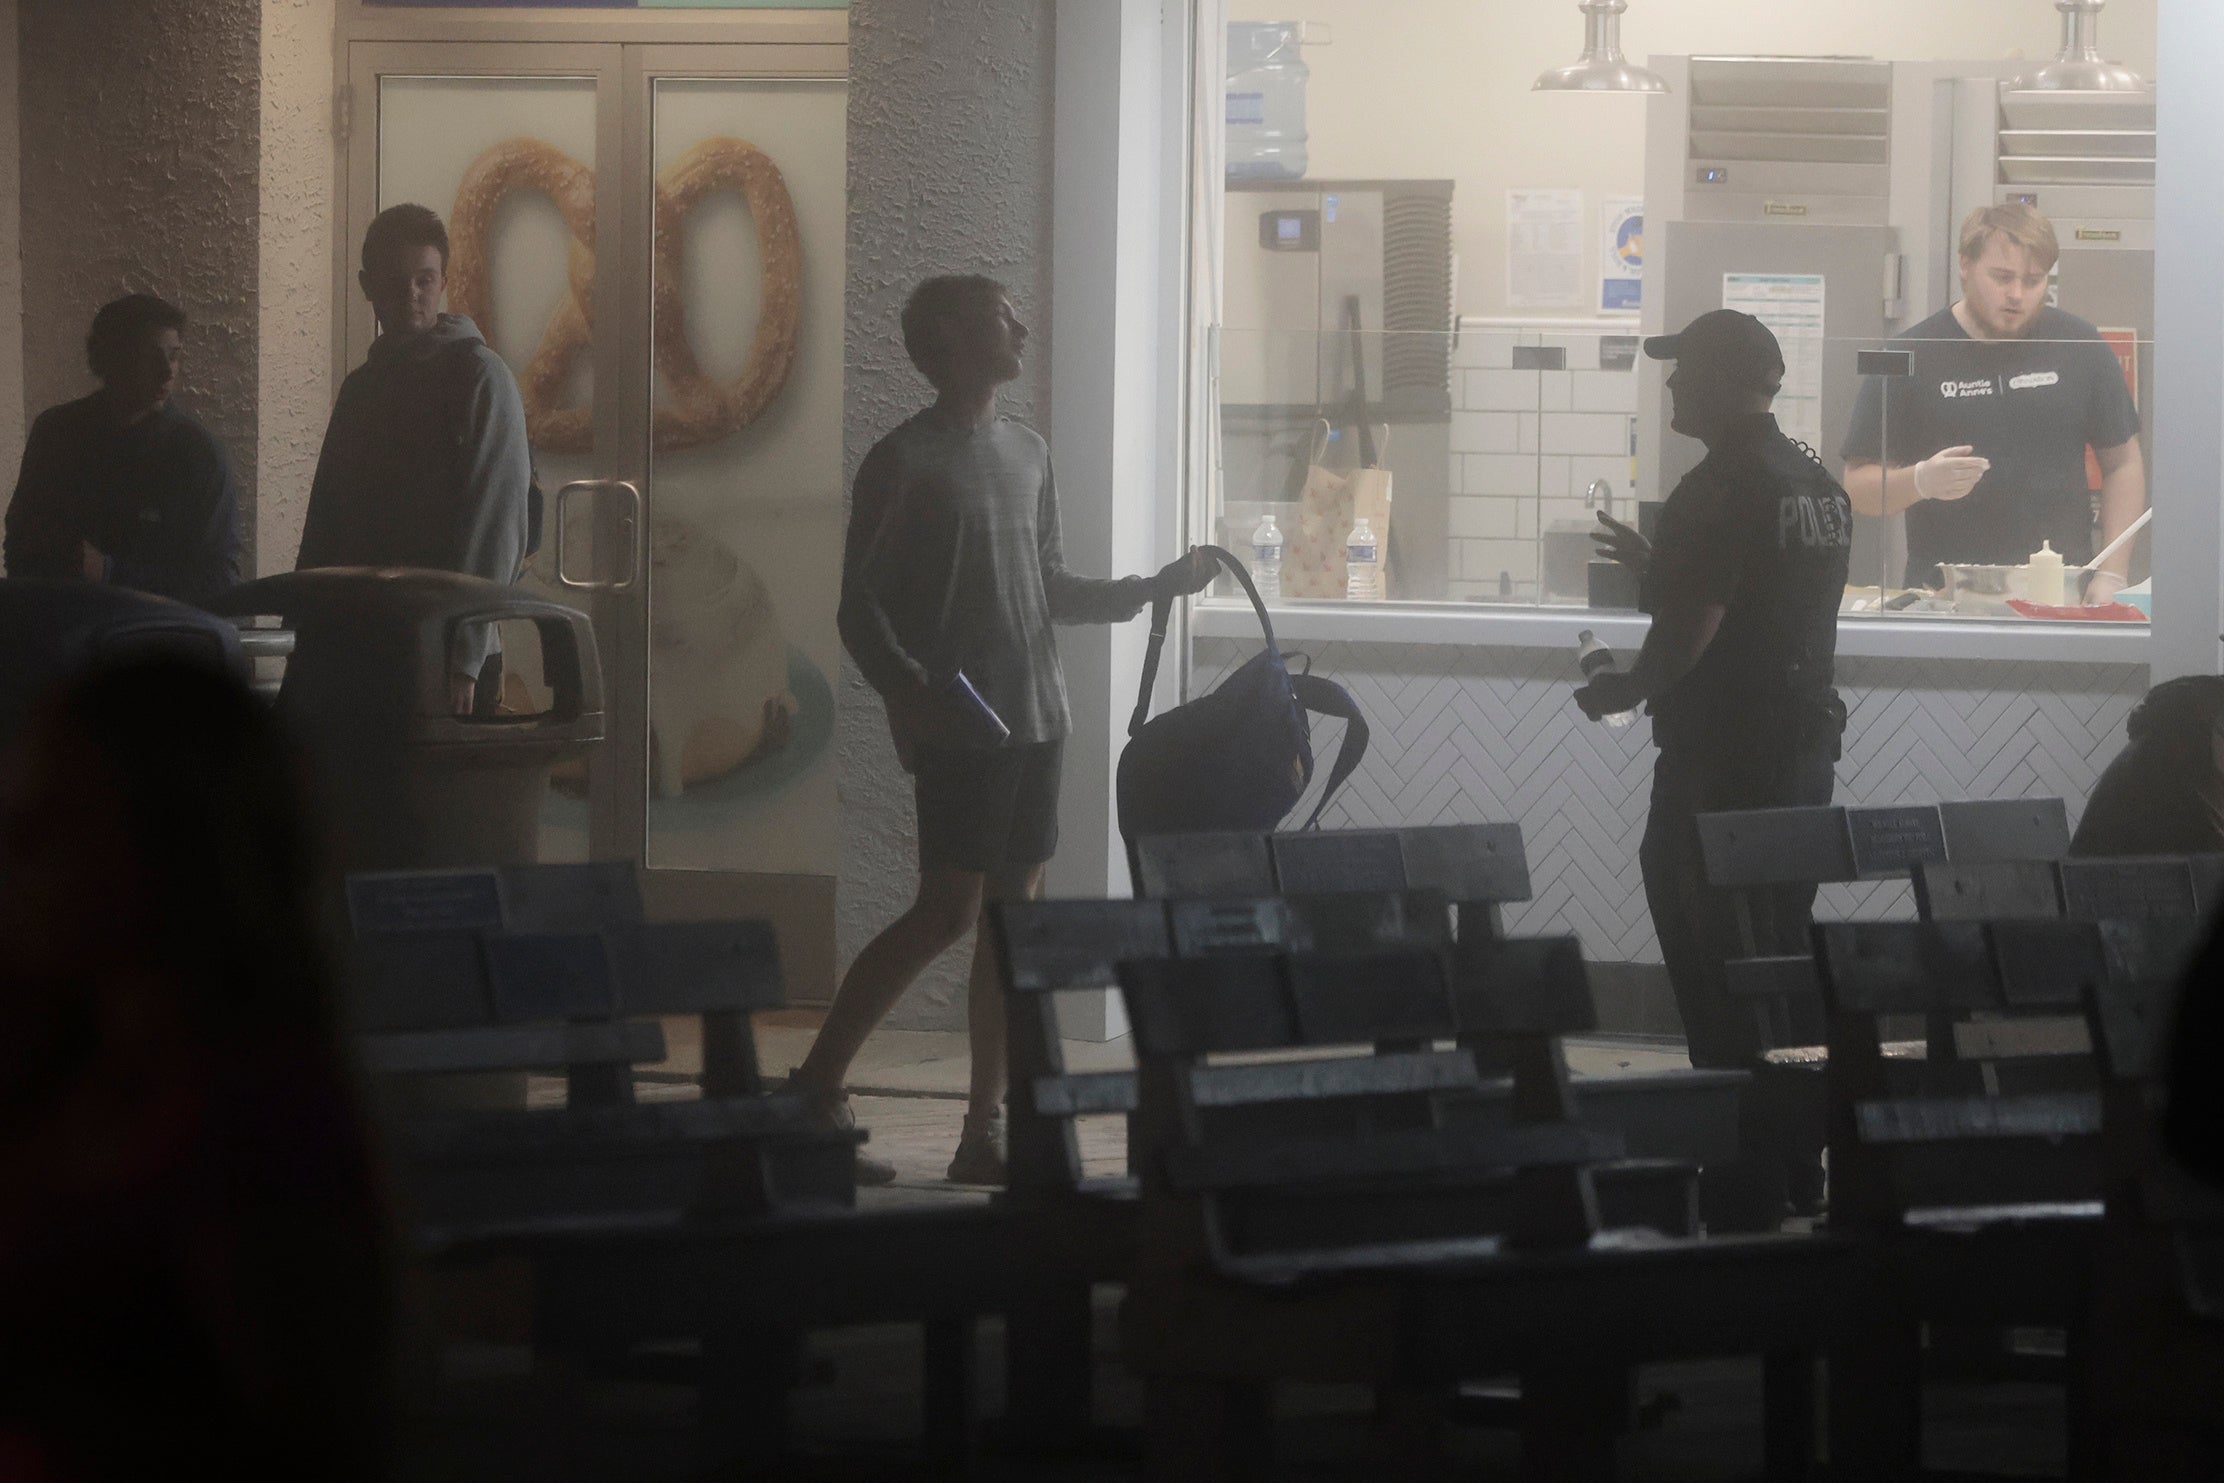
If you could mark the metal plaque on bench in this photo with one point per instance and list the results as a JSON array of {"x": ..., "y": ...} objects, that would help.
[
  {"x": 1201, "y": 928},
  {"x": 1892, "y": 840},
  {"x": 424, "y": 901}
]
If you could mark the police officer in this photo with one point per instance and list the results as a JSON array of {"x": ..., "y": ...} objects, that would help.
[
  {"x": 1743, "y": 586},
  {"x": 1989, "y": 431}
]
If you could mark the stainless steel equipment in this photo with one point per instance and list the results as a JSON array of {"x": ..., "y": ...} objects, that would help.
[
  {"x": 1859, "y": 173},
  {"x": 1300, "y": 258}
]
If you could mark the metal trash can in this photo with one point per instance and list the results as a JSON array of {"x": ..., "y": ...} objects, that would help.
[
  {"x": 403, "y": 782},
  {"x": 50, "y": 631}
]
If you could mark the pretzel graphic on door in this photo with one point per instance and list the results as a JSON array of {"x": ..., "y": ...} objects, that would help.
[{"x": 694, "y": 409}]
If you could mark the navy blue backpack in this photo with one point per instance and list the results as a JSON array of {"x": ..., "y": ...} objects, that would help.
[{"x": 1239, "y": 758}]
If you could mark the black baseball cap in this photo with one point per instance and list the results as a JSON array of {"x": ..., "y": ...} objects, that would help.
[{"x": 1727, "y": 340}]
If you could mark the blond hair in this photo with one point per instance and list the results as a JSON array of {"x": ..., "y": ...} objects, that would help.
[{"x": 2019, "y": 223}]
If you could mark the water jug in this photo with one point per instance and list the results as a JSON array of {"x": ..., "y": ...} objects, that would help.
[{"x": 1266, "y": 100}]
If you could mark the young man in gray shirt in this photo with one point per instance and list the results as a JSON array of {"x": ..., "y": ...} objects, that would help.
[
  {"x": 953, "y": 566},
  {"x": 425, "y": 462}
]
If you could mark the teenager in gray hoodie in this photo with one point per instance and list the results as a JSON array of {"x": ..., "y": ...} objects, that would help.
[{"x": 425, "y": 461}]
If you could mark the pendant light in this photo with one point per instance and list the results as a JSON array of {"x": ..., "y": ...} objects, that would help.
[
  {"x": 2080, "y": 68},
  {"x": 1603, "y": 68}
]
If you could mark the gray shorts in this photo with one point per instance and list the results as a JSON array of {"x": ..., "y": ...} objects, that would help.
[{"x": 987, "y": 810}]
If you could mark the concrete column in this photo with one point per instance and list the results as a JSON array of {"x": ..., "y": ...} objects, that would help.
[
  {"x": 141, "y": 169},
  {"x": 294, "y": 332},
  {"x": 1116, "y": 423},
  {"x": 11, "y": 257},
  {"x": 2188, "y": 402}
]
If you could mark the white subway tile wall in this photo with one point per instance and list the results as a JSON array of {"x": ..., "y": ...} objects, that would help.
[
  {"x": 1499, "y": 474},
  {"x": 1527, "y": 447},
  {"x": 1586, "y": 432}
]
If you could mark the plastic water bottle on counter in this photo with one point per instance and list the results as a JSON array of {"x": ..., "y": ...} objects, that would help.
[
  {"x": 1595, "y": 659},
  {"x": 1362, "y": 563},
  {"x": 1266, "y": 557}
]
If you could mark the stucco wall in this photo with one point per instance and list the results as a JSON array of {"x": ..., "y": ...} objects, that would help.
[
  {"x": 949, "y": 171},
  {"x": 11, "y": 258},
  {"x": 295, "y": 248},
  {"x": 141, "y": 153}
]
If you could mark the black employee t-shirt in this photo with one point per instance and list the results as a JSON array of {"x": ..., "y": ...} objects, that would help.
[
  {"x": 1760, "y": 528},
  {"x": 2030, "y": 405}
]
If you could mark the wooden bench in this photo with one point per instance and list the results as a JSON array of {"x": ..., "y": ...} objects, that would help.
[
  {"x": 2156, "y": 1335},
  {"x": 2085, "y": 889},
  {"x": 1318, "y": 1219},
  {"x": 1077, "y": 1230},
  {"x": 1748, "y": 852},
  {"x": 695, "y": 1239},
  {"x": 1983, "y": 1200},
  {"x": 1481, "y": 869}
]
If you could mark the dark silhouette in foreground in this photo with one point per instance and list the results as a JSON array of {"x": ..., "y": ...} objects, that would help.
[{"x": 194, "y": 1269}]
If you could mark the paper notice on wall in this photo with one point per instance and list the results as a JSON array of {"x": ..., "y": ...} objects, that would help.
[
  {"x": 1621, "y": 255},
  {"x": 1790, "y": 304},
  {"x": 1544, "y": 249}
]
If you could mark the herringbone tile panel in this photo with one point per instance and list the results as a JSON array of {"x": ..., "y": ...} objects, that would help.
[{"x": 1473, "y": 735}]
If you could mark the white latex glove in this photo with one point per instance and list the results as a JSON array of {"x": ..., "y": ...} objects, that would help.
[{"x": 1950, "y": 473}]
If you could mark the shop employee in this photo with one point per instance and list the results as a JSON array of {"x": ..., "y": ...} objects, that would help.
[{"x": 1989, "y": 432}]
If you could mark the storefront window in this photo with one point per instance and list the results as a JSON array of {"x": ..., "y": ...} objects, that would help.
[{"x": 1434, "y": 285}]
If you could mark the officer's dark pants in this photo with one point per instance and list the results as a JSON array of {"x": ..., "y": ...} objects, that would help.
[{"x": 1698, "y": 930}]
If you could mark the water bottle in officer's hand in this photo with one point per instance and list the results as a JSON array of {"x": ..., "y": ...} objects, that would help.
[
  {"x": 1595, "y": 659},
  {"x": 1362, "y": 563},
  {"x": 1266, "y": 557}
]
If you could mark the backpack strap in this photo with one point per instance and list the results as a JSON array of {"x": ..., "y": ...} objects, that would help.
[
  {"x": 1162, "y": 610},
  {"x": 1331, "y": 699}
]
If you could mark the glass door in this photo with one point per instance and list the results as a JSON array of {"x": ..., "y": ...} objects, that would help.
[
  {"x": 745, "y": 480},
  {"x": 651, "y": 237}
]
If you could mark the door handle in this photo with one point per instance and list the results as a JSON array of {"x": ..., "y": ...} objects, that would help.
[{"x": 632, "y": 566}]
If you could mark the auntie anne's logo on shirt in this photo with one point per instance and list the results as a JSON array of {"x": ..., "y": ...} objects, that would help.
[
  {"x": 2031, "y": 379},
  {"x": 1952, "y": 389}
]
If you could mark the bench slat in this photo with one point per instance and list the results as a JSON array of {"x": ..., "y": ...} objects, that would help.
[
  {"x": 560, "y": 1132},
  {"x": 1426, "y": 1153},
  {"x": 1344, "y": 1076},
  {"x": 2007, "y": 1040},
  {"x": 1317, "y": 862},
  {"x": 1791, "y": 977},
  {"x": 697, "y": 967},
  {"x": 514, "y": 1048},
  {"x": 1985, "y": 830},
  {"x": 1469, "y": 863},
  {"x": 1947, "y": 1119},
  {"x": 1079, "y": 1094},
  {"x": 1054, "y": 945},
  {"x": 1171, "y": 867}
]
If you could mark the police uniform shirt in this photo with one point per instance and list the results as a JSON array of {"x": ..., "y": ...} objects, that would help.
[
  {"x": 1760, "y": 528},
  {"x": 2030, "y": 405}
]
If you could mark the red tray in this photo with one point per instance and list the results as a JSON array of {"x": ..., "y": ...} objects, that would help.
[{"x": 2107, "y": 612}]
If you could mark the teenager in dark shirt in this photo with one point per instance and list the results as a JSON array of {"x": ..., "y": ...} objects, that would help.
[
  {"x": 1989, "y": 431},
  {"x": 1743, "y": 586},
  {"x": 954, "y": 564},
  {"x": 121, "y": 486}
]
